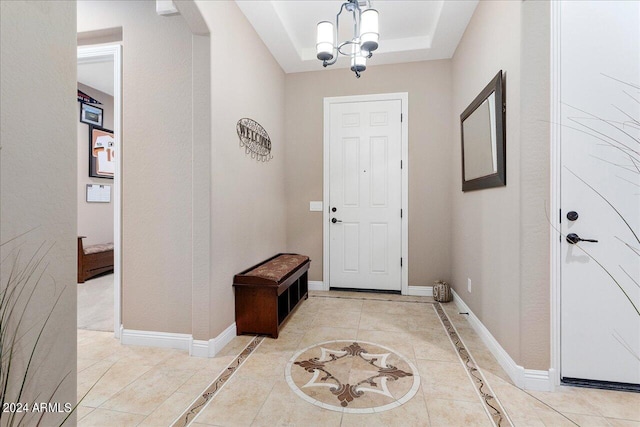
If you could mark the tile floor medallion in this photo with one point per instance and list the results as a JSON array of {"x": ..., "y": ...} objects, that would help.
[
  {"x": 352, "y": 377},
  {"x": 187, "y": 417}
]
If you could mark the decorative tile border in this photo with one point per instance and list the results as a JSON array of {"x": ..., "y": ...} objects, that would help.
[
  {"x": 350, "y": 348},
  {"x": 492, "y": 405},
  {"x": 205, "y": 397}
]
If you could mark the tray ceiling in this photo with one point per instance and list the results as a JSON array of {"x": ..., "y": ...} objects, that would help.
[{"x": 409, "y": 30}]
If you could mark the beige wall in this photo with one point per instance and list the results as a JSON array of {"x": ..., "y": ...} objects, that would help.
[
  {"x": 535, "y": 186},
  {"x": 38, "y": 188},
  {"x": 95, "y": 220},
  {"x": 156, "y": 162},
  {"x": 499, "y": 239},
  {"x": 496, "y": 237},
  {"x": 429, "y": 87},
  {"x": 248, "y": 204}
]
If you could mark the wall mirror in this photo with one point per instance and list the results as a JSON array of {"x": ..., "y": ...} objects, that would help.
[{"x": 483, "y": 139}]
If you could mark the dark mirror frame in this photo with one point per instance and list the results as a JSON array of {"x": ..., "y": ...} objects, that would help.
[{"x": 499, "y": 178}]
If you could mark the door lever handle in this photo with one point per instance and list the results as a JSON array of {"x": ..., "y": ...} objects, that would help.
[
  {"x": 573, "y": 238},
  {"x": 334, "y": 220}
]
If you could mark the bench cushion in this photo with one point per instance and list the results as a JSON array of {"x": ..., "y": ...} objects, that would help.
[
  {"x": 94, "y": 249},
  {"x": 278, "y": 267}
]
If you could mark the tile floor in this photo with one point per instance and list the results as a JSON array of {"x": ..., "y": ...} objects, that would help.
[{"x": 138, "y": 386}]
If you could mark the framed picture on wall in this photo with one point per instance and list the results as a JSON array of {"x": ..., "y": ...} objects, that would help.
[
  {"x": 101, "y": 153},
  {"x": 90, "y": 115}
]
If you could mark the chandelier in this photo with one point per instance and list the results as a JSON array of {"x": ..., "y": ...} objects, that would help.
[{"x": 360, "y": 47}]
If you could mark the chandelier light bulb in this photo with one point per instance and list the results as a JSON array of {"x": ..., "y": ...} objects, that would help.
[
  {"x": 358, "y": 61},
  {"x": 325, "y": 41},
  {"x": 369, "y": 30}
]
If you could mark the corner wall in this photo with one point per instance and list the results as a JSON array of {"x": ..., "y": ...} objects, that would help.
[
  {"x": 500, "y": 237},
  {"x": 248, "y": 204},
  {"x": 38, "y": 191},
  {"x": 428, "y": 84}
]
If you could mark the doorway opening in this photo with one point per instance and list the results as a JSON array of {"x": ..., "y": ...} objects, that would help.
[
  {"x": 99, "y": 186},
  {"x": 365, "y": 212}
]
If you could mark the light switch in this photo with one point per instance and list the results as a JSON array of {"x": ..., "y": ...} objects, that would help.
[{"x": 315, "y": 206}]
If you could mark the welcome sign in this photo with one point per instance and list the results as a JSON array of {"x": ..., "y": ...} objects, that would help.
[{"x": 254, "y": 139}]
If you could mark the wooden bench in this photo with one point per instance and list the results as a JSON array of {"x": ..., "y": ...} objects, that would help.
[
  {"x": 267, "y": 293},
  {"x": 94, "y": 260}
]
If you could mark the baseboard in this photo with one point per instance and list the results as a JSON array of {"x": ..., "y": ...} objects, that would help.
[
  {"x": 156, "y": 339},
  {"x": 528, "y": 379},
  {"x": 420, "y": 291},
  {"x": 223, "y": 338},
  {"x": 316, "y": 285},
  {"x": 537, "y": 380},
  {"x": 196, "y": 348},
  {"x": 200, "y": 348}
]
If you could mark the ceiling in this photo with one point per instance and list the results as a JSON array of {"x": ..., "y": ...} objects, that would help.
[
  {"x": 98, "y": 75},
  {"x": 411, "y": 30}
]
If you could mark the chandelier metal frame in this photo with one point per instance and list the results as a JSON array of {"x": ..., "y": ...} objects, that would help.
[{"x": 359, "y": 51}]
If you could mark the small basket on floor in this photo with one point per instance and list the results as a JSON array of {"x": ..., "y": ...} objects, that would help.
[{"x": 442, "y": 291}]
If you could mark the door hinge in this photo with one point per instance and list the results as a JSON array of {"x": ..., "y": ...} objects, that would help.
[
  {"x": 400, "y": 213},
  {"x": 400, "y": 164},
  {"x": 400, "y": 117},
  {"x": 400, "y": 262}
]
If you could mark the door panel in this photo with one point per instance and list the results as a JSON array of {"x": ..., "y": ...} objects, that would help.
[
  {"x": 379, "y": 168},
  {"x": 379, "y": 244},
  {"x": 600, "y": 295},
  {"x": 351, "y": 256},
  {"x": 351, "y": 166},
  {"x": 365, "y": 190}
]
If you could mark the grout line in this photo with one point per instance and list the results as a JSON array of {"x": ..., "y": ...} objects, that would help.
[
  {"x": 85, "y": 415},
  {"x": 426, "y": 404},
  {"x": 264, "y": 402},
  {"x": 492, "y": 406},
  {"x": 195, "y": 408},
  {"x": 554, "y": 409},
  {"x": 117, "y": 392},
  {"x": 359, "y": 321},
  {"x": 95, "y": 361},
  {"x": 372, "y": 299}
]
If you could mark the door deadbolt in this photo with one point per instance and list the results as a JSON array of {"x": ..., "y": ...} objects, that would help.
[{"x": 572, "y": 216}]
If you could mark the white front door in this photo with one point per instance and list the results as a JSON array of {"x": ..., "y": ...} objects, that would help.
[
  {"x": 600, "y": 195},
  {"x": 365, "y": 195}
]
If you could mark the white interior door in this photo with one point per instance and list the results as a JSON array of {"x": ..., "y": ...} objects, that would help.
[
  {"x": 365, "y": 196},
  {"x": 600, "y": 139}
]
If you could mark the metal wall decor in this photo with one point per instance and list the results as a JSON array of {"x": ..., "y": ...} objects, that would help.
[{"x": 254, "y": 139}]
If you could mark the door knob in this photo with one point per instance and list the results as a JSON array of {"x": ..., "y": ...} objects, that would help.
[
  {"x": 333, "y": 220},
  {"x": 573, "y": 238}
]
